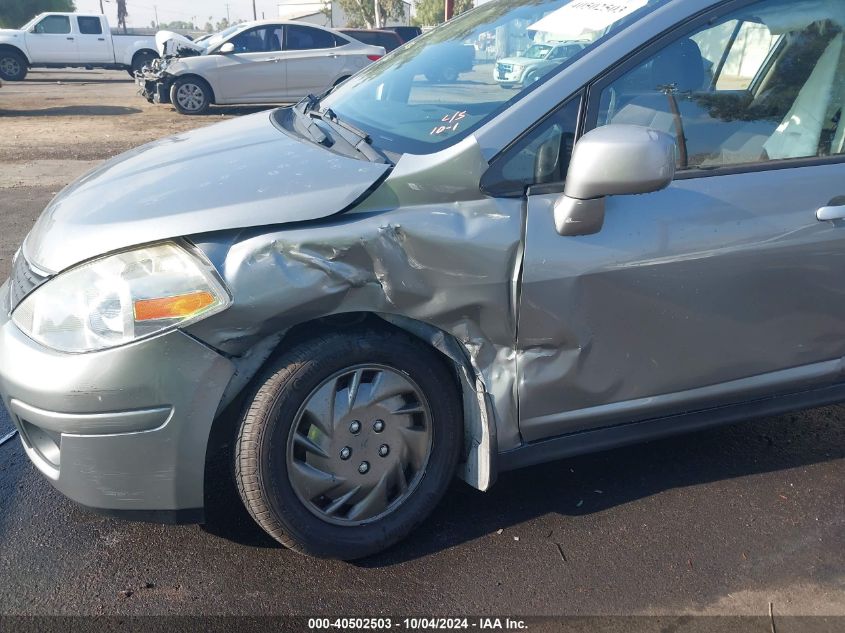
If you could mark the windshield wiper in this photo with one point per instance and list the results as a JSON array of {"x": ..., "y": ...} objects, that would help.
[
  {"x": 306, "y": 122},
  {"x": 308, "y": 109}
]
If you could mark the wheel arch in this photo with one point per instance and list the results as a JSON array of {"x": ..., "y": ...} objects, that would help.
[
  {"x": 193, "y": 75},
  {"x": 478, "y": 458},
  {"x": 142, "y": 51},
  {"x": 7, "y": 48}
]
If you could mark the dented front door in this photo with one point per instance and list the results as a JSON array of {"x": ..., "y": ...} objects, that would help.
[{"x": 718, "y": 290}]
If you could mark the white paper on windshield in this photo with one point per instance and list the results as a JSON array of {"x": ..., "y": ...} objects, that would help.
[{"x": 583, "y": 16}]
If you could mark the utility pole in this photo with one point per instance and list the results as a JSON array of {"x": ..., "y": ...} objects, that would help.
[
  {"x": 449, "y": 9},
  {"x": 101, "y": 8},
  {"x": 227, "y": 13},
  {"x": 254, "y": 12},
  {"x": 155, "y": 10}
]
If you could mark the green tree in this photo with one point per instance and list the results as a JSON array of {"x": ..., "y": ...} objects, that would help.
[
  {"x": 16, "y": 13},
  {"x": 371, "y": 14},
  {"x": 433, "y": 12},
  {"x": 177, "y": 25}
]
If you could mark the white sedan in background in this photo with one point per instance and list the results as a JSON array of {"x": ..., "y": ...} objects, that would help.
[{"x": 254, "y": 62}]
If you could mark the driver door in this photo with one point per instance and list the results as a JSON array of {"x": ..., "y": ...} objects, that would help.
[
  {"x": 724, "y": 288},
  {"x": 51, "y": 41}
]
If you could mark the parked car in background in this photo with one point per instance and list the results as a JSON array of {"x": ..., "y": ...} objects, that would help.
[
  {"x": 407, "y": 33},
  {"x": 537, "y": 60},
  {"x": 388, "y": 40},
  {"x": 71, "y": 40},
  {"x": 256, "y": 62}
]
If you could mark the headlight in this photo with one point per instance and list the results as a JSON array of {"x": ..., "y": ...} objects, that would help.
[{"x": 122, "y": 298}]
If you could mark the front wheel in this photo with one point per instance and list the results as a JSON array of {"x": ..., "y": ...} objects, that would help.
[
  {"x": 13, "y": 66},
  {"x": 190, "y": 95},
  {"x": 348, "y": 441}
]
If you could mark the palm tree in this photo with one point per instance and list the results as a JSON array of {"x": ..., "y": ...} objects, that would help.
[{"x": 121, "y": 14}]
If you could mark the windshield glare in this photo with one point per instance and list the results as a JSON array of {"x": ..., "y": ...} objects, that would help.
[
  {"x": 442, "y": 85},
  {"x": 536, "y": 52},
  {"x": 218, "y": 38}
]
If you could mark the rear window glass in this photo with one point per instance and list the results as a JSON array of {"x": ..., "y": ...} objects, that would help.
[
  {"x": 301, "y": 38},
  {"x": 89, "y": 26}
]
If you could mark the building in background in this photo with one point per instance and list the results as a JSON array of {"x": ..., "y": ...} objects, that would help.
[{"x": 328, "y": 13}]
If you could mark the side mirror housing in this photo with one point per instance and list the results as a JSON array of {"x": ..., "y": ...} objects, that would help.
[
  {"x": 614, "y": 160},
  {"x": 226, "y": 48}
]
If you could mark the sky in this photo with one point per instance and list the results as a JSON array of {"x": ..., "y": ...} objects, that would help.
[{"x": 143, "y": 12}]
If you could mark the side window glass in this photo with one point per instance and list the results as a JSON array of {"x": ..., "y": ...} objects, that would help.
[
  {"x": 54, "y": 24},
  {"x": 540, "y": 157},
  {"x": 305, "y": 38},
  {"x": 274, "y": 35},
  {"x": 89, "y": 26},
  {"x": 764, "y": 83},
  {"x": 259, "y": 40}
]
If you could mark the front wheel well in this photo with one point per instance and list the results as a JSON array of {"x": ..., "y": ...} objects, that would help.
[
  {"x": 478, "y": 453},
  {"x": 195, "y": 77},
  {"x": 8, "y": 48}
]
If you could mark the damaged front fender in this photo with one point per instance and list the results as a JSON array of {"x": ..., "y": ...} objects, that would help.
[{"x": 425, "y": 252}]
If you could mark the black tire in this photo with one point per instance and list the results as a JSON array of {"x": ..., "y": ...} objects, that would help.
[
  {"x": 530, "y": 79},
  {"x": 141, "y": 59},
  {"x": 261, "y": 452},
  {"x": 13, "y": 66},
  {"x": 198, "y": 87}
]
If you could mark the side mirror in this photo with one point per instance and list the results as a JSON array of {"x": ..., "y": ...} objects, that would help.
[
  {"x": 614, "y": 160},
  {"x": 226, "y": 48}
]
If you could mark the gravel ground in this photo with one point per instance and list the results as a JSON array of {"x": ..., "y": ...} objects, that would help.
[{"x": 721, "y": 522}]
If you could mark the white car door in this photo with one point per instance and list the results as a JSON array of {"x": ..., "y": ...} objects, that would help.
[
  {"x": 50, "y": 40},
  {"x": 92, "y": 44},
  {"x": 255, "y": 71},
  {"x": 313, "y": 60}
]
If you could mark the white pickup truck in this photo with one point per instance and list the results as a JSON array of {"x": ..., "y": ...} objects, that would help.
[{"x": 61, "y": 40}]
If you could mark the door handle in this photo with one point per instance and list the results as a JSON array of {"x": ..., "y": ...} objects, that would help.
[
  {"x": 101, "y": 39},
  {"x": 833, "y": 210},
  {"x": 831, "y": 213},
  {"x": 70, "y": 38}
]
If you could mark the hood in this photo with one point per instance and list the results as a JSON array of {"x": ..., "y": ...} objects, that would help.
[
  {"x": 169, "y": 43},
  {"x": 237, "y": 174}
]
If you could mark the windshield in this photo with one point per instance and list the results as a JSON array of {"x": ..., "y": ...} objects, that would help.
[
  {"x": 442, "y": 85},
  {"x": 536, "y": 51},
  {"x": 216, "y": 39}
]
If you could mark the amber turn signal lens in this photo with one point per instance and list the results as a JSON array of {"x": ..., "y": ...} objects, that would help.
[{"x": 177, "y": 307}]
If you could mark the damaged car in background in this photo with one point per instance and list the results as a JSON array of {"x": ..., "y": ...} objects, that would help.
[
  {"x": 354, "y": 299},
  {"x": 253, "y": 62}
]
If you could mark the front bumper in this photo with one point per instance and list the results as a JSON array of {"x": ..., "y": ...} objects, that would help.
[
  {"x": 507, "y": 74},
  {"x": 155, "y": 89},
  {"x": 124, "y": 429}
]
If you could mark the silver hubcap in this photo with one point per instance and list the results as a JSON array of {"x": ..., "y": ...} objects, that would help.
[
  {"x": 348, "y": 473},
  {"x": 10, "y": 66},
  {"x": 190, "y": 97}
]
